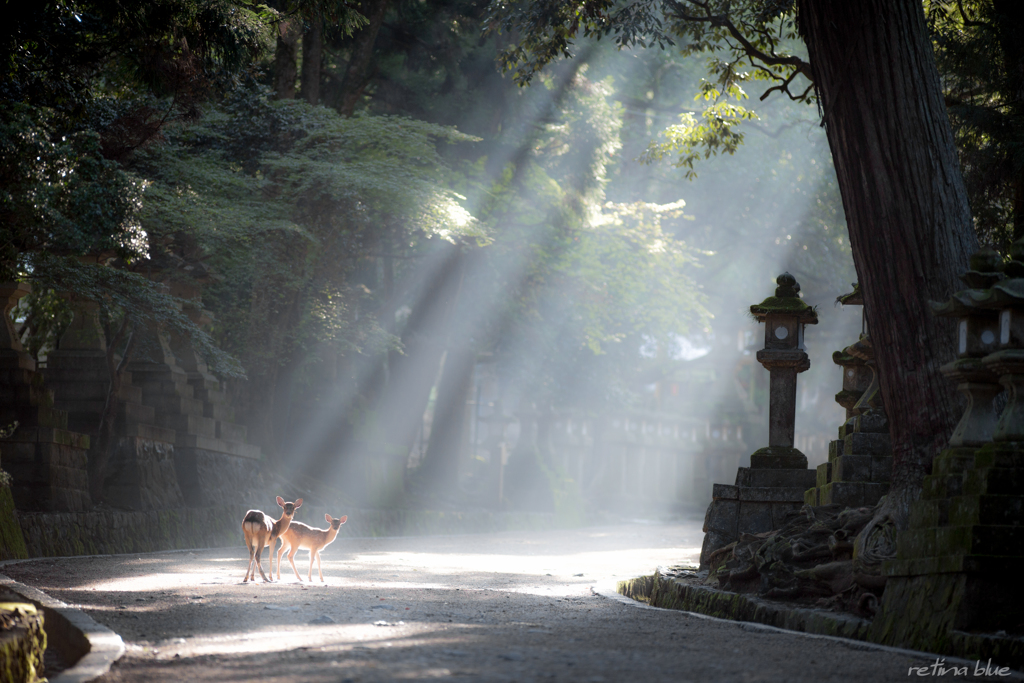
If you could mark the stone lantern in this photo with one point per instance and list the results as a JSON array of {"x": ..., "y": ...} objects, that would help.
[
  {"x": 977, "y": 334},
  {"x": 784, "y": 316},
  {"x": 773, "y": 487}
]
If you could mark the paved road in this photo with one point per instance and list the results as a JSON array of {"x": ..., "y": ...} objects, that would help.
[{"x": 515, "y": 606}]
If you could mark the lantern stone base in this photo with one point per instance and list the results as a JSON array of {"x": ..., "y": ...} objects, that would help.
[
  {"x": 761, "y": 500},
  {"x": 962, "y": 551},
  {"x": 859, "y": 466}
]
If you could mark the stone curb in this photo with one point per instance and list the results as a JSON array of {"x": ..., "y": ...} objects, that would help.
[
  {"x": 91, "y": 646},
  {"x": 609, "y": 590}
]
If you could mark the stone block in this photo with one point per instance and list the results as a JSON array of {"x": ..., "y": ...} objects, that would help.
[
  {"x": 928, "y": 513},
  {"x": 823, "y": 474},
  {"x": 954, "y": 461},
  {"x": 722, "y": 516},
  {"x": 861, "y": 443},
  {"x": 755, "y": 517},
  {"x": 193, "y": 423},
  {"x": 852, "y": 494},
  {"x": 724, "y": 491},
  {"x": 778, "y": 457},
  {"x": 995, "y": 481},
  {"x": 835, "y": 449},
  {"x": 742, "y": 476},
  {"x": 986, "y": 510},
  {"x": 772, "y": 494},
  {"x": 811, "y": 497},
  {"x": 230, "y": 431},
  {"x": 802, "y": 478},
  {"x": 853, "y": 468},
  {"x": 172, "y": 404}
]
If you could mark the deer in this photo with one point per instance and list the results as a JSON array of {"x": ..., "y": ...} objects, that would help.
[
  {"x": 260, "y": 531},
  {"x": 299, "y": 535}
]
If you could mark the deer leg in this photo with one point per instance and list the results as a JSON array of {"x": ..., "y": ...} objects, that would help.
[
  {"x": 279, "y": 553},
  {"x": 318, "y": 567},
  {"x": 291, "y": 560}
]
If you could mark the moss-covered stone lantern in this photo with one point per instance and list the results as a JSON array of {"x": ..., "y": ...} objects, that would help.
[{"x": 784, "y": 316}]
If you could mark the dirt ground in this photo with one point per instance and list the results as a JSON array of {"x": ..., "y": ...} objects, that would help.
[{"x": 514, "y": 606}]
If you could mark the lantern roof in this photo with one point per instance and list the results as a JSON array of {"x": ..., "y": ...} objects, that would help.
[
  {"x": 854, "y": 298},
  {"x": 786, "y": 301}
]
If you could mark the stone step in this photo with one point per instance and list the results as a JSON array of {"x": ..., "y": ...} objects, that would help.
[
  {"x": 1006, "y": 540},
  {"x": 995, "y": 481},
  {"x": 863, "y": 468},
  {"x": 852, "y": 494},
  {"x": 953, "y": 461},
  {"x": 954, "y": 564},
  {"x": 928, "y": 513},
  {"x": 220, "y": 445},
  {"x": 189, "y": 424},
  {"x": 823, "y": 474},
  {"x": 862, "y": 443},
  {"x": 942, "y": 486},
  {"x": 152, "y": 386},
  {"x": 174, "y": 405},
  {"x": 229, "y": 431},
  {"x": 811, "y": 497},
  {"x": 835, "y": 449},
  {"x": 147, "y": 431},
  {"x": 219, "y": 411},
  {"x": 986, "y": 510},
  {"x": 760, "y": 478}
]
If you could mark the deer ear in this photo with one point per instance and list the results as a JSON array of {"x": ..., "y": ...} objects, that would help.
[
  {"x": 298, "y": 503},
  {"x": 344, "y": 519},
  {"x": 280, "y": 501},
  {"x": 328, "y": 518}
]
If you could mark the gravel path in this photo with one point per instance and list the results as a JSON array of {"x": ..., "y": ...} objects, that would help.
[{"x": 514, "y": 606}]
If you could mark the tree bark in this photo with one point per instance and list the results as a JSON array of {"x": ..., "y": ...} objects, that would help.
[
  {"x": 906, "y": 208},
  {"x": 286, "y": 59},
  {"x": 359, "y": 70},
  {"x": 312, "y": 57}
]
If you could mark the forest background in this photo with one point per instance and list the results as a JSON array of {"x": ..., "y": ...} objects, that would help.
[{"x": 369, "y": 205}]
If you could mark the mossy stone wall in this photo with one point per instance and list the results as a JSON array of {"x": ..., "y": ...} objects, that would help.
[{"x": 12, "y": 543}]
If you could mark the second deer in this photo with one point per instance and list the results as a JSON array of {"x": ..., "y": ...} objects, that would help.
[
  {"x": 299, "y": 535},
  {"x": 260, "y": 531}
]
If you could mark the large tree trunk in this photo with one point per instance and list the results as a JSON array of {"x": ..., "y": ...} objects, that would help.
[
  {"x": 359, "y": 70},
  {"x": 312, "y": 56},
  {"x": 906, "y": 207},
  {"x": 286, "y": 59}
]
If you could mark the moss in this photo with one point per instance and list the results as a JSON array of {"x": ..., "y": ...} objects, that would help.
[
  {"x": 12, "y": 542},
  {"x": 23, "y": 645},
  {"x": 787, "y": 305}
]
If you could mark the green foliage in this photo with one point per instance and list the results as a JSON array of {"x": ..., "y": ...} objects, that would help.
[
  {"x": 58, "y": 195},
  {"x": 978, "y": 54}
]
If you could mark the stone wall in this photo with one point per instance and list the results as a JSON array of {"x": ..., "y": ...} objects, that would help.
[
  {"x": 141, "y": 476},
  {"x": 117, "y": 531},
  {"x": 214, "y": 478}
]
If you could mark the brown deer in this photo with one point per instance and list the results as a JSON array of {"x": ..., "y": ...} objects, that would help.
[
  {"x": 299, "y": 535},
  {"x": 260, "y": 531}
]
